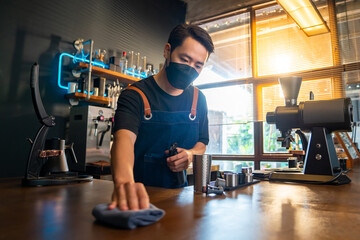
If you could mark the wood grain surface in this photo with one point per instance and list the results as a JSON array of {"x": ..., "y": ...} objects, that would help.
[{"x": 265, "y": 210}]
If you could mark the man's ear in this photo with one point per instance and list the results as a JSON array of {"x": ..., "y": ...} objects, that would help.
[{"x": 167, "y": 50}]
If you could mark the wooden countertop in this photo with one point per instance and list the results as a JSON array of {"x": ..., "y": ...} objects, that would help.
[{"x": 265, "y": 210}]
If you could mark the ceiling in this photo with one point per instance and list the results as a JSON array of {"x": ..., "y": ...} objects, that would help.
[{"x": 202, "y": 9}]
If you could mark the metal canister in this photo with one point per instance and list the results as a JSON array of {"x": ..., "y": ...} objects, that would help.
[
  {"x": 231, "y": 179},
  {"x": 292, "y": 162},
  {"x": 82, "y": 84},
  {"x": 102, "y": 86},
  {"x": 241, "y": 178},
  {"x": 202, "y": 172},
  {"x": 342, "y": 162},
  {"x": 247, "y": 171},
  {"x": 96, "y": 91}
]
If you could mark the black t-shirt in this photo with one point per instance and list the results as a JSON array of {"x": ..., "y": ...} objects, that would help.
[{"x": 130, "y": 106}]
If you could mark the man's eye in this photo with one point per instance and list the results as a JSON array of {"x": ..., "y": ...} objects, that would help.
[
  {"x": 198, "y": 66},
  {"x": 184, "y": 60}
]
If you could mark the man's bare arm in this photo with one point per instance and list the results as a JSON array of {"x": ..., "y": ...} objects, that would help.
[{"x": 127, "y": 194}]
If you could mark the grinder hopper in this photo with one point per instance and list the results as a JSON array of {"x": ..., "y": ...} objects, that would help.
[{"x": 290, "y": 87}]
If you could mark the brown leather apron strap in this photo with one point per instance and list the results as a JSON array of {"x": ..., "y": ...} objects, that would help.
[
  {"x": 147, "y": 109},
  {"x": 194, "y": 103}
]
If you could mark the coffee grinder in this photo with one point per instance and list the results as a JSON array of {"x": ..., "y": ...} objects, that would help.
[
  {"x": 320, "y": 118},
  {"x": 47, "y": 163}
]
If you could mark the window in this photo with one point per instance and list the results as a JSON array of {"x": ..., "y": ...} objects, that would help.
[
  {"x": 233, "y": 165},
  {"x": 282, "y": 47},
  {"x": 230, "y": 109},
  {"x": 265, "y": 165},
  {"x": 348, "y": 15},
  {"x": 231, "y": 58}
]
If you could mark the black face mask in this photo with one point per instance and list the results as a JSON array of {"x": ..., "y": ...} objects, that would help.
[{"x": 180, "y": 75}]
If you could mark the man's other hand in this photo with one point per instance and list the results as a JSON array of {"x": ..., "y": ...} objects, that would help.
[{"x": 180, "y": 161}]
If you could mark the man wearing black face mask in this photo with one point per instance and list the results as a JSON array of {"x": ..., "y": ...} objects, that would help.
[{"x": 156, "y": 112}]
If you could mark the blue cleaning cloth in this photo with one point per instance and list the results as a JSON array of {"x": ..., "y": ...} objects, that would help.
[{"x": 129, "y": 219}]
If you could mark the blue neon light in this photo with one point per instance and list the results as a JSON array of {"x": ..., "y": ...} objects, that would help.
[
  {"x": 82, "y": 58},
  {"x": 77, "y": 59},
  {"x": 131, "y": 72}
]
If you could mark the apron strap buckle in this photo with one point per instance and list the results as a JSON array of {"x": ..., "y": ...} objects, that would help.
[
  {"x": 148, "y": 117},
  {"x": 147, "y": 109}
]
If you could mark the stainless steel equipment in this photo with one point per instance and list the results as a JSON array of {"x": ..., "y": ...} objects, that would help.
[
  {"x": 292, "y": 162},
  {"x": 202, "y": 171},
  {"x": 90, "y": 130},
  {"x": 247, "y": 171},
  {"x": 56, "y": 158},
  {"x": 320, "y": 118},
  {"x": 231, "y": 179},
  {"x": 47, "y": 164}
]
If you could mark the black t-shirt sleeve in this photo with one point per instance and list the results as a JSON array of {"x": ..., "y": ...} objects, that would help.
[
  {"x": 203, "y": 121},
  {"x": 128, "y": 112}
]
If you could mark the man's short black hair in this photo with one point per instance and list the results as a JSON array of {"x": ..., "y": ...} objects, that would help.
[{"x": 182, "y": 31}]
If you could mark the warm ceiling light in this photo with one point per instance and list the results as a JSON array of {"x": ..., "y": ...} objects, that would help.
[{"x": 306, "y": 16}]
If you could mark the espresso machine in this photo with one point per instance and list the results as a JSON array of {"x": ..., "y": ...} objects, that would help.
[
  {"x": 47, "y": 163},
  {"x": 90, "y": 131},
  {"x": 320, "y": 118}
]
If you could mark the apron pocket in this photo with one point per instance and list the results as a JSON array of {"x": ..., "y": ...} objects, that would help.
[
  {"x": 157, "y": 173},
  {"x": 154, "y": 169}
]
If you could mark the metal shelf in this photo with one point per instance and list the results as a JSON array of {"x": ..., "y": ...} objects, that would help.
[
  {"x": 95, "y": 99},
  {"x": 108, "y": 74},
  {"x": 101, "y": 72}
]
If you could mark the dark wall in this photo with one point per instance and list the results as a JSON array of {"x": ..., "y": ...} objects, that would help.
[{"x": 39, "y": 30}]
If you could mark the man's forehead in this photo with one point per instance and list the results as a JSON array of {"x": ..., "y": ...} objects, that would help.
[
  {"x": 192, "y": 46},
  {"x": 189, "y": 41}
]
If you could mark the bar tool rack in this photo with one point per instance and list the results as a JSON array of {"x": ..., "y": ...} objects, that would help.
[
  {"x": 91, "y": 69},
  {"x": 100, "y": 72}
]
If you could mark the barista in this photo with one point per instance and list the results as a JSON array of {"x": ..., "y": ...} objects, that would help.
[{"x": 154, "y": 113}]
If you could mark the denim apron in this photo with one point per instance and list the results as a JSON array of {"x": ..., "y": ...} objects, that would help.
[{"x": 158, "y": 130}]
